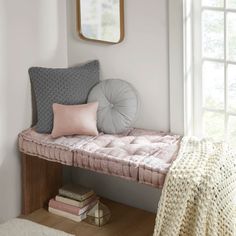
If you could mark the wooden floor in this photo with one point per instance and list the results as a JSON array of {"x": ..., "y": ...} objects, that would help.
[{"x": 125, "y": 221}]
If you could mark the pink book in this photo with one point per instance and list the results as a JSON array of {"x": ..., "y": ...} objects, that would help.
[{"x": 69, "y": 208}]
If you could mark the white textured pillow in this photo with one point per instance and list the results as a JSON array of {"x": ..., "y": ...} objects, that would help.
[{"x": 118, "y": 105}]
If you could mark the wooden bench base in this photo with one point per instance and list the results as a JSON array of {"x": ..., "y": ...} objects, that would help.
[{"x": 41, "y": 180}]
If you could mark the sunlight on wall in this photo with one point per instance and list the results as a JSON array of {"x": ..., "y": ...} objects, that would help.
[{"x": 48, "y": 28}]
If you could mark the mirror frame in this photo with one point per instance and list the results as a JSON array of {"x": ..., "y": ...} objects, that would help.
[{"x": 122, "y": 27}]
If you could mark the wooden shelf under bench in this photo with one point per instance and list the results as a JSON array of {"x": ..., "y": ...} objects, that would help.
[
  {"x": 125, "y": 221},
  {"x": 41, "y": 180}
]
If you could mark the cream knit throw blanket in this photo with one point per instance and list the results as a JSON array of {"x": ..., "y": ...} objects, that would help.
[{"x": 197, "y": 198}]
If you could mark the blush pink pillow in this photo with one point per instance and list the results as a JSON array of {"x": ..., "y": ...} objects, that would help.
[{"x": 75, "y": 119}]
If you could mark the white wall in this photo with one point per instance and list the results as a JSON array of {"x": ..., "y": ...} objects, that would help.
[
  {"x": 119, "y": 190},
  {"x": 31, "y": 33},
  {"x": 141, "y": 59}
]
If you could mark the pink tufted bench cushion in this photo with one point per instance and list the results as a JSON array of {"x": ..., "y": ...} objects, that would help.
[{"x": 139, "y": 155}]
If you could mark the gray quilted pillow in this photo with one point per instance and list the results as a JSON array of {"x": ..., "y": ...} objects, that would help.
[
  {"x": 118, "y": 105},
  {"x": 64, "y": 86}
]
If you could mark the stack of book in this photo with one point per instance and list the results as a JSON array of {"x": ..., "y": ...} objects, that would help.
[{"x": 73, "y": 202}]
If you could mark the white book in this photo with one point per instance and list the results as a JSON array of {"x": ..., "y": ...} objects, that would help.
[
  {"x": 68, "y": 215},
  {"x": 76, "y": 203}
]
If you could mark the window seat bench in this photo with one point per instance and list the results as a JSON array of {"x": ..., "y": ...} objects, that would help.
[{"x": 139, "y": 155}]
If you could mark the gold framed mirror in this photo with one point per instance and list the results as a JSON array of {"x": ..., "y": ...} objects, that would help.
[{"x": 101, "y": 20}]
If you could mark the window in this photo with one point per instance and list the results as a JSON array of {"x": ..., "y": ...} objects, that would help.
[{"x": 213, "y": 30}]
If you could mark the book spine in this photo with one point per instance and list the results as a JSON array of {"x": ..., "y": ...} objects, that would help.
[
  {"x": 69, "y": 201},
  {"x": 74, "y": 195},
  {"x": 75, "y": 202},
  {"x": 64, "y": 207},
  {"x": 70, "y": 209},
  {"x": 67, "y": 215}
]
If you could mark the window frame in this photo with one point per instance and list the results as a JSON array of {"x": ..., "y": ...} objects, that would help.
[
  {"x": 184, "y": 87},
  {"x": 176, "y": 66},
  {"x": 199, "y": 59}
]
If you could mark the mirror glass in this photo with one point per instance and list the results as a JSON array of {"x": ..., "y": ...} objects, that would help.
[{"x": 101, "y": 20}]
